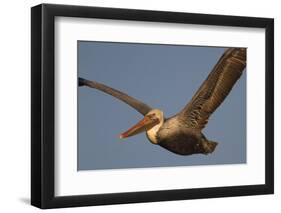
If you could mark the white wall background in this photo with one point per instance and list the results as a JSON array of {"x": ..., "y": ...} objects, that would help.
[{"x": 15, "y": 105}]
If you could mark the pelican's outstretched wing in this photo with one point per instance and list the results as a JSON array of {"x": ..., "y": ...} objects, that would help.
[
  {"x": 214, "y": 89},
  {"x": 136, "y": 104}
]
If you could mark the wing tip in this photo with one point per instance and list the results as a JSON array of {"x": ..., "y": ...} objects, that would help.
[{"x": 81, "y": 82}]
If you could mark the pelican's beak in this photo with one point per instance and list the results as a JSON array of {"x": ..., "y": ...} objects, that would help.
[{"x": 144, "y": 125}]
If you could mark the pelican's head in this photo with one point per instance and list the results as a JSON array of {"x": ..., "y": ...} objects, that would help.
[{"x": 151, "y": 123}]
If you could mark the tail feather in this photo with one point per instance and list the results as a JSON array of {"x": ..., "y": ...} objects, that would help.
[{"x": 209, "y": 146}]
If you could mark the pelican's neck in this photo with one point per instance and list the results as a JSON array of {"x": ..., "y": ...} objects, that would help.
[{"x": 152, "y": 133}]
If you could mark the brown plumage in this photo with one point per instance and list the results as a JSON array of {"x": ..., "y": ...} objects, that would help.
[
  {"x": 136, "y": 104},
  {"x": 215, "y": 88},
  {"x": 181, "y": 133}
]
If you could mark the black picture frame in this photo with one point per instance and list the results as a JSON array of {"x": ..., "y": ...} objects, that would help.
[{"x": 43, "y": 100}]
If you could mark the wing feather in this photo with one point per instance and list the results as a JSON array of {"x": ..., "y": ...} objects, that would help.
[
  {"x": 136, "y": 104},
  {"x": 214, "y": 89}
]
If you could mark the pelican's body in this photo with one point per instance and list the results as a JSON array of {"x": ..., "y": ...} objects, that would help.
[
  {"x": 182, "y": 133},
  {"x": 175, "y": 136}
]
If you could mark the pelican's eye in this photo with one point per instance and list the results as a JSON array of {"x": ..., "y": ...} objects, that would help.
[{"x": 151, "y": 115}]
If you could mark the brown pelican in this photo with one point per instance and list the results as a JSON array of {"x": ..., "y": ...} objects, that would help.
[{"x": 181, "y": 133}]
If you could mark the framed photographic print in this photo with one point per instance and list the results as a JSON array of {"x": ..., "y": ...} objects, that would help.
[{"x": 139, "y": 106}]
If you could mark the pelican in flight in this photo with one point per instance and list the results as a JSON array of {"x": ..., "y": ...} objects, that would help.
[{"x": 182, "y": 133}]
